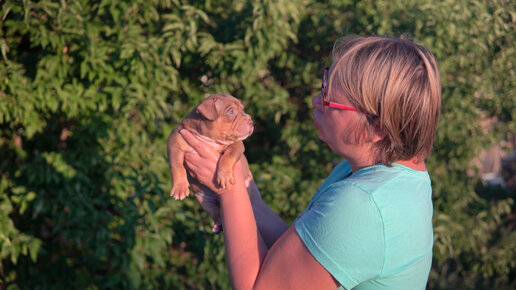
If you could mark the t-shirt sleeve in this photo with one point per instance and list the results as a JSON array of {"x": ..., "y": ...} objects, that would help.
[{"x": 343, "y": 230}]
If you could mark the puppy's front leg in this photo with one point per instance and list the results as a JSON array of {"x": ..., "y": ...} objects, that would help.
[
  {"x": 176, "y": 153},
  {"x": 226, "y": 168},
  {"x": 180, "y": 183}
]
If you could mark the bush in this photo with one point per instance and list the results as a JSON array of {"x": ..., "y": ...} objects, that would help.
[{"x": 89, "y": 91}]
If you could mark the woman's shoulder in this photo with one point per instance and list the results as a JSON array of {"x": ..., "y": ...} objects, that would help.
[
  {"x": 382, "y": 177},
  {"x": 340, "y": 172}
]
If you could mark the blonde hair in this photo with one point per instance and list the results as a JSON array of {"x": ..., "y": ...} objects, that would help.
[{"x": 395, "y": 83}]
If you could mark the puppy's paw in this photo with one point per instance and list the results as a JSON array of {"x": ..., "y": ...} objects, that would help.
[
  {"x": 180, "y": 191},
  {"x": 217, "y": 227},
  {"x": 225, "y": 179}
]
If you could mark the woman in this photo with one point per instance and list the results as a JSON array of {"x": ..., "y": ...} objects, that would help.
[{"x": 369, "y": 225}]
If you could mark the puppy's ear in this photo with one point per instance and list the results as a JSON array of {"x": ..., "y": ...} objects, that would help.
[{"x": 208, "y": 109}]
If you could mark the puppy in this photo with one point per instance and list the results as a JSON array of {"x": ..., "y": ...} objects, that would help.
[{"x": 220, "y": 122}]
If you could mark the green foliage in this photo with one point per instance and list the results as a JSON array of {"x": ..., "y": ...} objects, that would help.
[{"x": 89, "y": 91}]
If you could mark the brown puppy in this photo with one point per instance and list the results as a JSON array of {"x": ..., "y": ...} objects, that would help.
[{"x": 219, "y": 121}]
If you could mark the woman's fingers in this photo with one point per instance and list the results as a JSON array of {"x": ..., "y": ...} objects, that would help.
[
  {"x": 202, "y": 160},
  {"x": 194, "y": 143}
]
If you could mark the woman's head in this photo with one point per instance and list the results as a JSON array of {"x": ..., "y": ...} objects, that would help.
[{"x": 395, "y": 85}]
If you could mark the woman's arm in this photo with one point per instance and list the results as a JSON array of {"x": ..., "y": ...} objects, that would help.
[
  {"x": 245, "y": 248},
  {"x": 270, "y": 225}
]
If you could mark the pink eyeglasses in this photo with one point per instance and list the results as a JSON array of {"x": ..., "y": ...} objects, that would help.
[{"x": 325, "y": 102}]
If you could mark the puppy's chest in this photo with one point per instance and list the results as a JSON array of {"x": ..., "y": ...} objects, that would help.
[{"x": 214, "y": 144}]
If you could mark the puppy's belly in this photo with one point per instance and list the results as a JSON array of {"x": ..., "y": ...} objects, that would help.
[
  {"x": 202, "y": 190},
  {"x": 208, "y": 200}
]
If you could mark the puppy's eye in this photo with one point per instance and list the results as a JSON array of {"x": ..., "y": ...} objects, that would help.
[{"x": 231, "y": 112}]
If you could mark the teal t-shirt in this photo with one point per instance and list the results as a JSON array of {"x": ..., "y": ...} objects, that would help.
[{"x": 372, "y": 229}]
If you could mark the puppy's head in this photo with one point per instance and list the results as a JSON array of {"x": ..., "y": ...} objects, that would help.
[{"x": 226, "y": 121}]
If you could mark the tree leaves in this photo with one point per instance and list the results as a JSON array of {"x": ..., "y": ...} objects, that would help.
[{"x": 90, "y": 90}]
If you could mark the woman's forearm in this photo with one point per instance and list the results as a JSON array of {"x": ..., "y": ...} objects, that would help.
[
  {"x": 245, "y": 248},
  {"x": 270, "y": 225}
]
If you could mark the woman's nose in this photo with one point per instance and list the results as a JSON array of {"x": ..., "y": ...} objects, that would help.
[{"x": 316, "y": 102}]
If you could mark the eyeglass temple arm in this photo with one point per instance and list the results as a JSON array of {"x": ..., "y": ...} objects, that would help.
[{"x": 339, "y": 106}]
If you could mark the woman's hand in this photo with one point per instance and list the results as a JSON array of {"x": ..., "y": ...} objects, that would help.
[{"x": 202, "y": 162}]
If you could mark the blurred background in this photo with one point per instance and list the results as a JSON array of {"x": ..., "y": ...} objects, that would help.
[{"x": 90, "y": 90}]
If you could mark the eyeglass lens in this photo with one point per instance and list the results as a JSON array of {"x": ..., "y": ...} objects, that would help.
[{"x": 324, "y": 88}]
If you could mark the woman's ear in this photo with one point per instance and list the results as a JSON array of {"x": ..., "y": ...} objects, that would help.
[{"x": 378, "y": 133}]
